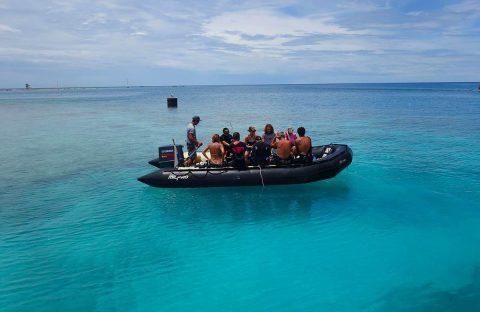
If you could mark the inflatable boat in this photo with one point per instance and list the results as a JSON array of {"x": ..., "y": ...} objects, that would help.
[{"x": 328, "y": 161}]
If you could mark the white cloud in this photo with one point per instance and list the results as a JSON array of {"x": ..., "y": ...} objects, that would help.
[
  {"x": 6, "y": 28},
  {"x": 245, "y": 37},
  {"x": 97, "y": 18},
  {"x": 415, "y": 13},
  {"x": 249, "y": 27},
  {"x": 267, "y": 33},
  {"x": 139, "y": 33},
  {"x": 362, "y": 6},
  {"x": 170, "y": 63},
  {"x": 468, "y": 6}
]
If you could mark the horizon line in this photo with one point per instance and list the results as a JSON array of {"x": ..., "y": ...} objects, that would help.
[{"x": 225, "y": 85}]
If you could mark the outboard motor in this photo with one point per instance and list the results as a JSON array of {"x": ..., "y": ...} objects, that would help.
[
  {"x": 166, "y": 154},
  {"x": 327, "y": 150}
]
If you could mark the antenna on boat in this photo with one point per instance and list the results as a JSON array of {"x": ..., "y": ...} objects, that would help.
[{"x": 175, "y": 162}]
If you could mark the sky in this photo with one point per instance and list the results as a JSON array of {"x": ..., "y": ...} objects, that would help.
[{"x": 114, "y": 43}]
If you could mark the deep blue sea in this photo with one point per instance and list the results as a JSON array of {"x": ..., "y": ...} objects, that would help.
[{"x": 398, "y": 230}]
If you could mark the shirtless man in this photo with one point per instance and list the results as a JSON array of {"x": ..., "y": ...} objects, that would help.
[
  {"x": 284, "y": 148},
  {"x": 217, "y": 152},
  {"x": 303, "y": 146}
]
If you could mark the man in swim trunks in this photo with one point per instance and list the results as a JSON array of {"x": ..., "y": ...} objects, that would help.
[
  {"x": 192, "y": 143},
  {"x": 217, "y": 152},
  {"x": 284, "y": 149},
  {"x": 303, "y": 146}
]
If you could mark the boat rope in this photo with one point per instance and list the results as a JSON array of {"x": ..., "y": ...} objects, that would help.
[
  {"x": 261, "y": 176},
  {"x": 200, "y": 174}
]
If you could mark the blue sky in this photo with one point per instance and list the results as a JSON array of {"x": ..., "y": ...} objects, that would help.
[{"x": 104, "y": 43}]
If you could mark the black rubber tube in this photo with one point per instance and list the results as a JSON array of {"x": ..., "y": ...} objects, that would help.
[{"x": 321, "y": 169}]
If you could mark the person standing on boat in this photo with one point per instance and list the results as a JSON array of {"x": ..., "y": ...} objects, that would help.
[
  {"x": 303, "y": 146},
  {"x": 192, "y": 143}
]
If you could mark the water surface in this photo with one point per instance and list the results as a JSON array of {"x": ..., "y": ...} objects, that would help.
[{"x": 396, "y": 231}]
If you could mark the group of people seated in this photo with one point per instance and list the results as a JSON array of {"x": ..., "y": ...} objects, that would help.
[{"x": 271, "y": 148}]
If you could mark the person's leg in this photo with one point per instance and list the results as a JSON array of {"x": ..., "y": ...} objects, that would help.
[
  {"x": 247, "y": 158},
  {"x": 192, "y": 154}
]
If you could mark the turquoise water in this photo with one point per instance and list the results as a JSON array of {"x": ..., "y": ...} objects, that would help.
[{"x": 399, "y": 230}]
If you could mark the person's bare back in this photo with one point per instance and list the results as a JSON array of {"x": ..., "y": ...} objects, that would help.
[
  {"x": 303, "y": 145},
  {"x": 216, "y": 153},
  {"x": 284, "y": 148}
]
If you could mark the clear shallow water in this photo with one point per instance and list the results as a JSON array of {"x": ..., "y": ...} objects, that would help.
[{"x": 397, "y": 231}]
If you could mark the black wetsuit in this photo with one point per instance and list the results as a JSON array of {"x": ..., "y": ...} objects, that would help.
[
  {"x": 260, "y": 153},
  {"x": 227, "y": 138}
]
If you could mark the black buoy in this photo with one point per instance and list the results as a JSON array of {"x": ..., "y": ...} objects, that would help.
[{"x": 172, "y": 101}]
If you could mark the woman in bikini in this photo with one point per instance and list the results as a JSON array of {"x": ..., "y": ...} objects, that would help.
[
  {"x": 217, "y": 152},
  {"x": 250, "y": 139}
]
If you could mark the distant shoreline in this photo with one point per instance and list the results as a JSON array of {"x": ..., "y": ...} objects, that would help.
[{"x": 233, "y": 85}]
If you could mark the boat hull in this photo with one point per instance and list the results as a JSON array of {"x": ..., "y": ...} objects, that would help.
[{"x": 321, "y": 169}]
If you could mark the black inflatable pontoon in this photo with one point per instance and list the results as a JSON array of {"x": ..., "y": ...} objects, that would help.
[{"x": 327, "y": 163}]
